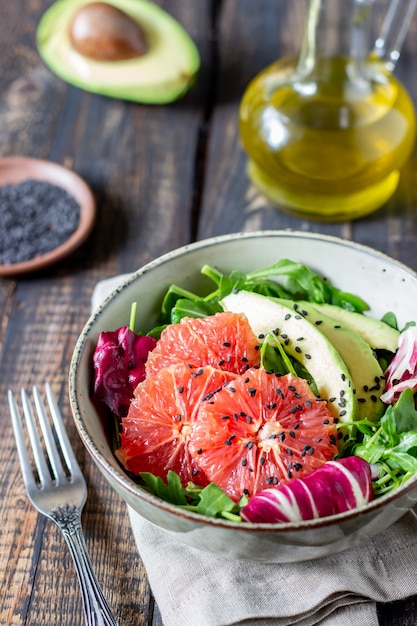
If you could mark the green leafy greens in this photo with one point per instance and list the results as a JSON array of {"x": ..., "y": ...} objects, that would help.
[
  {"x": 390, "y": 443},
  {"x": 298, "y": 282},
  {"x": 210, "y": 500}
]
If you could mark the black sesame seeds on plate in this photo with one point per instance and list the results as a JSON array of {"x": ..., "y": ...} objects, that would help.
[
  {"x": 35, "y": 217},
  {"x": 50, "y": 226}
]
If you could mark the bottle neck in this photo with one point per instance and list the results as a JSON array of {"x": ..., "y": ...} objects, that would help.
[{"x": 335, "y": 30}]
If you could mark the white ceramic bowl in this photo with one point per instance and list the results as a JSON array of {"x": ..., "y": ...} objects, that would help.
[{"x": 384, "y": 283}]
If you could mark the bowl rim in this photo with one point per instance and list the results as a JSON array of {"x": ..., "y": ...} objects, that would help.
[
  {"x": 16, "y": 169},
  {"x": 124, "y": 481}
]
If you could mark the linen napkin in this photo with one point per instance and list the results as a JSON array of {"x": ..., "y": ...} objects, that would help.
[{"x": 196, "y": 588}]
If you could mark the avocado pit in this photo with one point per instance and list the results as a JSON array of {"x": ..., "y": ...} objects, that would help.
[{"x": 103, "y": 32}]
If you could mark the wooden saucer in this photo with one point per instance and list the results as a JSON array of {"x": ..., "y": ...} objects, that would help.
[{"x": 14, "y": 170}]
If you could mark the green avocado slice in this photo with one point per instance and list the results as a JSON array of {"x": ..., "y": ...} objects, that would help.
[
  {"x": 161, "y": 75},
  {"x": 376, "y": 333},
  {"x": 304, "y": 341},
  {"x": 364, "y": 368}
]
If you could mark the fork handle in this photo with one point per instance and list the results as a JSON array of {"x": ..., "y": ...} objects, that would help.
[{"x": 96, "y": 610}]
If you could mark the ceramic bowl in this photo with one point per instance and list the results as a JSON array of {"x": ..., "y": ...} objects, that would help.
[{"x": 384, "y": 283}]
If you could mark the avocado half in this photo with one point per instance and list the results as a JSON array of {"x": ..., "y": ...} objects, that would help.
[{"x": 162, "y": 75}]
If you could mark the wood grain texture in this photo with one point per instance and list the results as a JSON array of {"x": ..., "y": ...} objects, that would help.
[{"x": 162, "y": 176}]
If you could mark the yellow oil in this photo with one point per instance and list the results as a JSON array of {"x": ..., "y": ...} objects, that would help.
[{"x": 329, "y": 146}]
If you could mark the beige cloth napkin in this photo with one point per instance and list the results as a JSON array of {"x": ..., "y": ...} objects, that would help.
[{"x": 196, "y": 588}]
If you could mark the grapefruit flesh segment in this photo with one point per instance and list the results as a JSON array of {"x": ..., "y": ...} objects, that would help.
[
  {"x": 224, "y": 341},
  {"x": 159, "y": 424},
  {"x": 261, "y": 430}
]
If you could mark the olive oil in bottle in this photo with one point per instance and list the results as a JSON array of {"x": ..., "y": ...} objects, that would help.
[{"x": 326, "y": 139}]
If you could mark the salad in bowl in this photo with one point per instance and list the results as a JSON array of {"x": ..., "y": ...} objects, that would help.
[{"x": 256, "y": 392}]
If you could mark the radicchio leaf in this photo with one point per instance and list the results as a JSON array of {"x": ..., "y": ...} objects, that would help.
[
  {"x": 119, "y": 366},
  {"x": 401, "y": 373},
  {"x": 335, "y": 487}
]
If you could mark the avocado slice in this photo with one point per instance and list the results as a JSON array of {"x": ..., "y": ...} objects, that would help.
[
  {"x": 366, "y": 373},
  {"x": 376, "y": 333},
  {"x": 161, "y": 75},
  {"x": 304, "y": 341}
]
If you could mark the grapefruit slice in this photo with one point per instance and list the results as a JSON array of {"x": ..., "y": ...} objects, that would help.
[
  {"x": 224, "y": 341},
  {"x": 156, "y": 431},
  {"x": 260, "y": 430}
]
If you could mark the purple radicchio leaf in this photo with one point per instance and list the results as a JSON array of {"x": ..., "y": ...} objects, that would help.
[
  {"x": 401, "y": 373},
  {"x": 119, "y": 366},
  {"x": 335, "y": 487}
]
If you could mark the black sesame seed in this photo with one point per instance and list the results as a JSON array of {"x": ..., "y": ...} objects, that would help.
[
  {"x": 287, "y": 317},
  {"x": 35, "y": 218}
]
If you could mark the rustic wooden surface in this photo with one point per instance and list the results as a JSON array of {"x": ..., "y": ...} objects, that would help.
[{"x": 162, "y": 176}]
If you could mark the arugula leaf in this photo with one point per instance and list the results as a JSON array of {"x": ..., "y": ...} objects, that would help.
[
  {"x": 390, "y": 319},
  {"x": 274, "y": 358},
  {"x": 172, "y": 491},
  {"x": 391, "y": 443},
  {"x": 213, "y": 501},
  {"x": 300, "y": 283},
  {"x": 210, "y": 500},
  {"x": 193, "y": 308},
  {"x": 304, "y": 284}
]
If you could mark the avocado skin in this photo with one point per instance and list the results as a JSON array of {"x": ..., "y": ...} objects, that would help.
[
  {"x": 376, "y": 333},
  {"x": 304, "y": 341},
  {"x": 162, "y": 75}
]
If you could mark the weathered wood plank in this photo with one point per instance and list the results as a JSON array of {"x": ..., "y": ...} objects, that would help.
[{"x": 139, "y": 161}]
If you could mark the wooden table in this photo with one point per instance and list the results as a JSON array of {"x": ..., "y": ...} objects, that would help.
[{"x": 162, "y": 176}]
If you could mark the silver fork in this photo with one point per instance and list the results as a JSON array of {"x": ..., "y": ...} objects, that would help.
[{"x": 58, "y": 491}]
